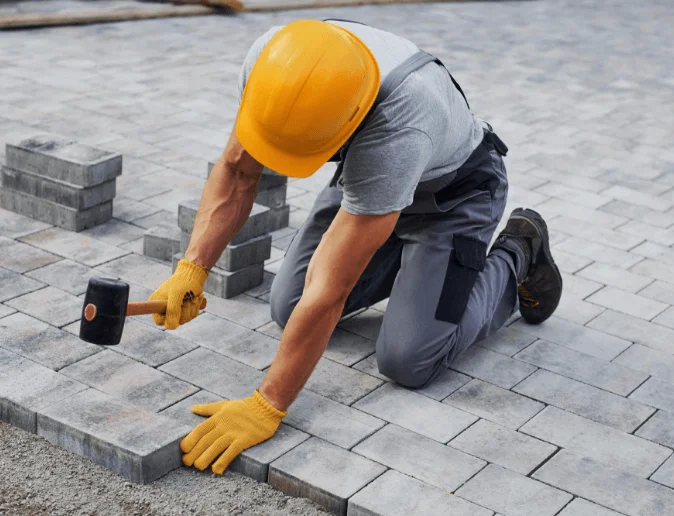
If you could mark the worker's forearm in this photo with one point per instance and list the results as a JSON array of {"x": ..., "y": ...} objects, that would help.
[
  {"x": 226, "y": 202},
  {"x": 303, "y": 342}
]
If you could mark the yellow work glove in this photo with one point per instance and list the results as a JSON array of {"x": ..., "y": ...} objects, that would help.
[
  {"x": 233, "y": 426},
  {"x": 183, "y": 293}
]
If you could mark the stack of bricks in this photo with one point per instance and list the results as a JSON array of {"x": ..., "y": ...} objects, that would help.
[
  {"x": 241, "y": 265},
  {"x": 59, "y": 181}
]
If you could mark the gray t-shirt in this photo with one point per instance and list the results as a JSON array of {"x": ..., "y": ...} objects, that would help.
[{"x": 422, "y": 131}]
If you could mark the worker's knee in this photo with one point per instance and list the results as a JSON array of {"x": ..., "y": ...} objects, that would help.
[{"x": 404, "y": 365}]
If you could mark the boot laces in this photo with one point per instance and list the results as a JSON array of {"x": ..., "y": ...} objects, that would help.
[{"x": 527, "y": 299}]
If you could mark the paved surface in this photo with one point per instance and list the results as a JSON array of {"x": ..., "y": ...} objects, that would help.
[{"x": 573, "y": 417}]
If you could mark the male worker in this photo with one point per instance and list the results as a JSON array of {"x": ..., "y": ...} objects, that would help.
[{"x": 419, "y": 191}]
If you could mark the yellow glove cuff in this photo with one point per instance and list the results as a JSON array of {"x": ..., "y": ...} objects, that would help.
[
  {"x": 192, "y": 271},
  {"x": 266, "y": 409}
]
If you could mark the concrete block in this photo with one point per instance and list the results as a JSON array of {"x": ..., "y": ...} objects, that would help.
[
  {"x": 571, "y": 226},
  {"x": 161, "y": 242},
  {"x": 251, "y": 252},
  {"x": 665, "y": 474},
  {"x": 599, "y": 442},
  {"x": 584, "y": 368},
  {"x": 596, "y": 251},
  {"x": 137, "y": 269},
  {"x": 497, "y": 405},
  {"x": 268, "y": 180},
  {"x": 655, "y": 251},
  {"x": 366, "y": 324},
  {"x": 604, "y": 485},
  {"x": 507, "y": 341},
  {"x": 128, "y": 380},
  {"x": 659, "y": 429},
  {"x": 580, "y": 507},
  {"x": 324, "y": 473},
  {"x": 415, "y": 412},
  {"x": 65, "y": 275},
  {"x": 577, "y": 337},
  {"x": 50, "y": 305},
  {"x": 184, "y": 240},
  {"x": 584, "y": 400},
  {"x": 583, "y": 197},
  {"x": 243, "y": 310},
  {"x": 253, "y": 462},
  {"x": 65, "y": 160},
  {"x": 58, "y": 192},
  {"x": 631, "y": 196},
  {"x": 637, "y": 330},
  {"x": 228, "y": 339},
  {"x": 274, "y": 198},
  {"x": 27, "y": 387},
  {"x": 491, "y": 367},
  {"x": 279, "y": 218},
  {"x": 615, "y": 277},
  {"x": 134, "y": 442},
  {"x": 395, "y": 494},
  {"x": 129, "y": 210},
  {"x": 631, "y": 304},
  {"x": 55, "y": 214},
  {"x": 256, "y": 225},
  {"x": 420, "y": 457},
  {"x": 577, "y": 311},
  {"x": 666, "y": 318},
  {"x": 20, "y": 257},
  {"x": 13, "y": 284},
  {"x": 227, "y": 284},
  {"x": 655, "y": 393},
  {"x": 41, "y": 343},
  {"x": 502, "y": 446},
  {"x": 656, "y": 269},
  {"x": 115, "y": 232},
  {"x": 13, "y": 225},
  {"x": 77, "y": 247},
  {"x": 340, "y": 383},
  {"x": 508, "y": 492}
]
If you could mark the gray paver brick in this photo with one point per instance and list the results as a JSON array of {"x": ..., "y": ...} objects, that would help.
[
  {"x": 502, "y": 446},
  {"x": 129, "y": 380},
  {"x": 250, "y": 252},
  {"x": 655, "y": 269},
  {"x": 639, "y": 198},
  {"x": 13, "y": 284},
  {"x": 597, "y": 234},
  {"x": 273, "y": 198},
  {"x": 79, "y": 248},
  {"x": 324, "y": 473},
  {"x": 507, "y": 341},
  {"x": 665, "y": 475},
  {"x": 136, "y": 443},
  {"x": 572, "y": 195},
  {"x": 570, "y": 263},
  {"x": 415, "y": 412},
  {"x": 666, "y": 318},
  {"x": 655, "y": 251},
  {"x": 513, "y": 494},
  {"x": 13, "y": 225},
  {"x": 577, "y": 311},
  {"x": 635, "y": 329},
  {"x": 631, "y": 304},
  {"x": 656, "y": 393},
  {"x": 420, "y": 457},
  {"x": 244, "y": 310},
  {"x": 161, "y": 242},
  {"x": 50, "y": 305},
  {"x": 650, "y": 361},
  {"x": 555, "y": 207},
  {"x": 115, "y": 232},
  {"x": 279, "y": 218},
  {"x": 395, "y": 494},
  {"x": 625, "y": 209},
  {"x": 41, "y": 343},
  {"x": 615, "y": 277},
  {"x": 21, "y": 258},
  {"x": 599, "y": 442},
  {"x": 584, "y": 400},
  {"x": 137, "y": 269},
  {"x": 659, "y": 235},
  {"x": 610, "y": 487},
  {"x": 253, "y": 462},
  {"x": 5, "y": 311},
  {"x": 227, "y": 284},
  {"x": 492, "y": 367},
  {"x": 589, "y": 248},
  {"x": 65, "y": 275},
  {"x": 579, "y": 288},
  {"x": 27, "y": 387},
  {"x": 577, "y": 337},
  {"x": 340, "y": 383},
  {"x": 366, "y": 324},
  {"x": 129, "y": 210},
  {"x": 585, "y": 368},
  {"x": 580, "y": 507},
  {"x": 659, "y": 429}
]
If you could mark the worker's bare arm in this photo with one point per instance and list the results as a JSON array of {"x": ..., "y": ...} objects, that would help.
[
  {"x": 226, "y": 202},
  {"x": 344, "y": 252}
]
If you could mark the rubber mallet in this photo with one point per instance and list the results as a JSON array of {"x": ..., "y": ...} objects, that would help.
[{"x": 106, "y": 306}]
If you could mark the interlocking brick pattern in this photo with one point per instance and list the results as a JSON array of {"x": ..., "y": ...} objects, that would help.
[{"x": 572, "y": 417}]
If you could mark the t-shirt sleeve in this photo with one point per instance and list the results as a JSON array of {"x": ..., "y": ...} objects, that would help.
[{"x": 382, "y": 170}]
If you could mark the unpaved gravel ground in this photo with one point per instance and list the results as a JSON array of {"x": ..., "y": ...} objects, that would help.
[{"x": 38, "y": 478}]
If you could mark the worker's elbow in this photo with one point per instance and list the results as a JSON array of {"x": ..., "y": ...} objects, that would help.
[{"x": 325, "y": 297}]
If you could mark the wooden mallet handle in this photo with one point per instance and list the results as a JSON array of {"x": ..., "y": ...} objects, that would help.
[{"x": 151, "y": 307}]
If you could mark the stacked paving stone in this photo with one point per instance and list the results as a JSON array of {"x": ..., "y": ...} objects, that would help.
[
  {"x": 59, "y": 181},
  {"x": 241, "y": 265},
  {"x": 161, "y": 242}
]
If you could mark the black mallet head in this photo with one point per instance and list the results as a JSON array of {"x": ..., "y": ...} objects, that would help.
[{"x": 104, "y": 311}]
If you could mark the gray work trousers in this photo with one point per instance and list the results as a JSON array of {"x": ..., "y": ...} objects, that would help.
[{"x": 445, "y": 292}]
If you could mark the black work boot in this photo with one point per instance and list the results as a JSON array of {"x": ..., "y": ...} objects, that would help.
[{"x": 539, "y": 283}]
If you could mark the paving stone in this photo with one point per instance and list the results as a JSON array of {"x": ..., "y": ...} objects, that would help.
[
  {"x": 60, "y": 158},
  {"x": 137, "y": 269},
  {"x": 340, "y": 383},
  {"x": 593, "y": 250},
  {"x": 584, "y": 400},
  {"x": 578, "y": 210},
  {"x": 244, "y": 310},
  {"x": 635, "y": 329},
  {"x": 41, "y": 343},
  {"x": 655, "y": 218},
  {"x": 236, "y": 257},
  {"x": 365, "y": 324},
  {"x": 599, "y": 442},
  {"x": 14, "y": 285},
  {"x": 161, "y": 217},
  {"x": 79, "y": 248},
  {"x": 659, "y": 235},
  {"x": 494, "y": 404},
  {"x": 634, "y": 197},
  {"x": 279, "y": 218},
  {"x": 128, "y": 380},
  {"x": 500, "y": 445},
  {"x": 13, "y": 225},
  {"x": 655, "y": 269},
  {"x": 577, "y": 287},
  {"x": 297, "y": 218},
  {"x": 135, "y": 246},
  {"x": 129, "y": 210},
  {"x": 665, "y": 475},
  {"x": 577, "y": 337},
  {"x": 415, "y": 412},
  {"x": 5, "y": 311},
  {"x": 115, "y": 232},
  {"x": 50, "y": 305},
  {"x": 395, "y": 494},
  {"x": 631, "y": 304},
  {"x": 27, "y": 387},
  {"x": 656, "y": 393},
  {"x": 273, "y": 198},
  {"x": 492, "y": 367},
  {"x": 324, "y": 473},
  {"x": 610, "y": 487},
  {"x": 513, "y": 494},
  {"x": 507, "y": 341},
  {"x": 253, "y": 462},
  {"x": 577, "y": 311},
  {"x": 655, "y": 251},
  {"x": 58, "y": 192},
  {"x": 61, "y": 216},
  {"x": 65, "y": 275},
  {"x": 659, "y": 429},
  {"x": 649, "y": 361},
  {"x": 134, "y": 442},
  {"x": 666, "y": 318},
  {"x": 569, "y": 263},
  {"x": 584, "y": 368},
  {"x": 580, "y": 507},
  {"x": 573, "y": 195},
  {"x": 420, "y": 457},
  {"x": 20, "y": 257},
  {"x": 615, "y": 277},
  {"x": 597, "y": 234}
]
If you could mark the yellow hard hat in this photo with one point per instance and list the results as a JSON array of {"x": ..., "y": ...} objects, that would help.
[{"x": 311, "y": 87}]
